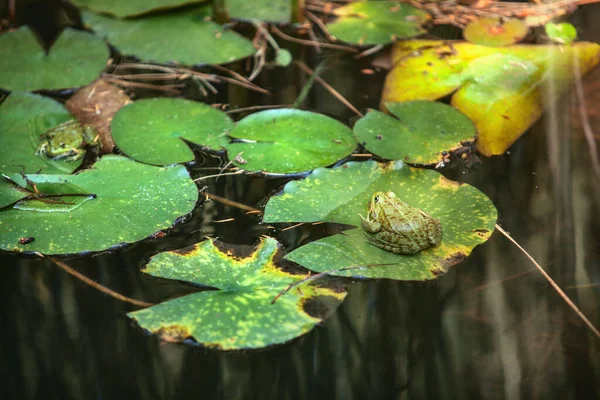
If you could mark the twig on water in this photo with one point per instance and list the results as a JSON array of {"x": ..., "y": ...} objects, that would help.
[
  {"x": 232, "y": 203},
  {"x": 552, "y": 283},
  {"x": 311, "y": 43}
]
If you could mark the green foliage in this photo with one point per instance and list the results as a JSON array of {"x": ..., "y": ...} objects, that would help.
[
  {"x": 563, "y": 33},
  {"x": 131, "y": 8},
  {"x": 340, "y": 194},
  {"x": 278, "y": 11},
  {"x": 241, "y": 314},
  {"x": 152, "y": 130},
  {"x": 75, "y": 59},
  {"x": 116, "y": 202}
]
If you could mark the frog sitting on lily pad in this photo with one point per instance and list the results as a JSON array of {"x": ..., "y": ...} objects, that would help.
[{"x": 68, "y": 141}]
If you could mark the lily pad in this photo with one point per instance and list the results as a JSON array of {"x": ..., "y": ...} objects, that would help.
[
  {"x": 153, "y": 130},
  {"x": 340, "y": 194},
  {"x": 116, "y": 202},
  {"x": 563, "y": 33},
  {"x": 500, "y": 89},
  {"x": 153, "y": 38},
  {"x": 241, "y": 314},
  {"x": 9, "y": 192},
  {"x": 495, "y": 32},
  {"x": 278, "y": 11},
  {"x": 288, "y": 141},
  {"x": 377, "y": 22},
  {"x": 23, "y": 118},
  {"x": 423, "y": 131},
  {"x": 132, "y": 8},
  {"x": 75, "y": 59}
]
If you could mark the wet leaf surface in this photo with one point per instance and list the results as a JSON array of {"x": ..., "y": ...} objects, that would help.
[
  {"x": 241, "y": 314},
  {"x": 288, "y": 141},
  {"x": 75, "y": 59},
  {"x": 495, "y": 32},
  {"x": 421, "y": 133},
  {"x": 500, "y": 89},
  {"x": 152, "y": 130},
  {"x": 118, "y": 201},
  {"x": 131, "y": 8},
  {"x": 340, "y": 194}
]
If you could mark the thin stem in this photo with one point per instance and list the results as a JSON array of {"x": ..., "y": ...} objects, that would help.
[
  {"x": 311, "y": 43},
  {"x": 232, "y": 203}
]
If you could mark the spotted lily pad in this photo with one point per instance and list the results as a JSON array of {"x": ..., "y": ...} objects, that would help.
[
  {"x": 75, "y": 59},
  {"x": 131, "y": 8},
  {"x": 495, "y": 32},
  {"x": 563, "y": 32},
  {"x": 153, "y": 130},
  {"x": 241, "y": 314},
  {"x": 289, "y": 141},
  {"x": 422, "y": 133},
  {"x": 377, "y": 22},
  {"x": 340, "y": 194},
  {"x": 194, "y": 40},
  {"x": 23, "y": 118},
  {"x": 116, "y": 202},
  {"x": 500, "y": 89}
]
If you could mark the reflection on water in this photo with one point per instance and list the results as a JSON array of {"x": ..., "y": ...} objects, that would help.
[{"x": 491, "y": 328}]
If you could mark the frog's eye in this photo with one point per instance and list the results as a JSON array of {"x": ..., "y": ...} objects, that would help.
[{"x": 376, "y": 199}]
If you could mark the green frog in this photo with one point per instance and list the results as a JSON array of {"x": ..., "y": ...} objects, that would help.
[
  {"x": 398, "y": 227},
  {"x": 67, "y": 140}
]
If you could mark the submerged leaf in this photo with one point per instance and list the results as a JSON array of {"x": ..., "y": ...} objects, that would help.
[
  {"x": 241, "y": 314},
  {"x": 131, "y": 8},
  {"x": 153, "y": 130},
  {"x": 153, "y": 38},
  {"x": 340, "y": 194},
  {"x": 499, "y": 89},
  {"x": 289, "y": 141},
  {"x": 75, "y": 59},
  {"x": 423, "y": 132},
  {"x": 377, "y": 22},
  {"x": 118, "y": 201}
]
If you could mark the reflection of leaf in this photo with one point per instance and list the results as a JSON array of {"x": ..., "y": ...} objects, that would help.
[
  {"x": 131, "y": 8},
  {"x": 23, "y": 118},
  {"x": 75, "y": 59},
  {"x": 340, "y": 194},
  {"x": 377, "y": 22},
  {"x": 289, "y": 141},
  {"x": 499, "y": 89},
  {"x": 240, "y": 314},
  {"x": 422, "y": 132},
  {"x": 152, "y": 38},
  {"x": 152, "y": 130},
  {"x": 124, "y": 202}
]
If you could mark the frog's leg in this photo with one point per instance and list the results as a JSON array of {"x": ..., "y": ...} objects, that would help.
[
  {"x": 389, "y": 242},
  {"x": 79, "y": 153},
  {"x": 43, "y": 149},
  {"x": 370, "y": 226}
]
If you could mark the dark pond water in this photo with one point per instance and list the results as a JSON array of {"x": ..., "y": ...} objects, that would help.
[{"x": 491, "y": 328}]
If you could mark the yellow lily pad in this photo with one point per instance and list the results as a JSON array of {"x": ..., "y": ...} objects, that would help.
[{"x": 495, "y": 32}]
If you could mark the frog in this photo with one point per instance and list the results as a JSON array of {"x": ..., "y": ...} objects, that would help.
[
  {"x": 394, "y": 226},
  {"x": 67, "y": 141}
]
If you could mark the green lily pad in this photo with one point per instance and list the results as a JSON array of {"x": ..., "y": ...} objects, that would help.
[
  {"x": 9, "y": 192},
  {"x": 340, "y": 194},
  {"x": 423, "y": 131},
  {"x": 278, "y": 11},
  {"x": 288, "y": 141},
  {"x": 500, "y": 89},
  {"x": 563, "y": 33},
  {"x": 132, "y": 8},
  {"x": 153, "y": 38},
  {"x": 377, "y": 22},
  {"x": 116, "y": 202},
  {"x": 152, "y": 130},
  {"x": 23, "y": 118},
  {"x": 241, "y": 314},
  {"x": 75, "y": 59},
  {"x": 495, "y": 32}
]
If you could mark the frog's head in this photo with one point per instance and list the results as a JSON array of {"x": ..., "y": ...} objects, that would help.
[{"x": 377, "y": 202}]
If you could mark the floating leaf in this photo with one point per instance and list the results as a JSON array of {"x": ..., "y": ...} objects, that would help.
[
  {"x": 377, "y": 22},
  {"x": 279, "y": 11},
  {"x": 152, "y": 38},
  {"x": 75, "y": 59},
  {"x": 118, "y": 201},
  {"x": 500, "y": 89},
  {"x": 289, "y": 141},
  {"x": 283, "y": 58},
  {"x": 9, "y": 192},
  {"x": 152, "y": 130},
  {"x": 495, "y": 32},
  {"x": 563, "y": 33},
  {"x": 23, "y": 118},
  {"x": 423, "y": 131},
  {"x": 240, "y": 315},
  {"x": 131, "y": 8},
  {"x": 340, "y": 194}
]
